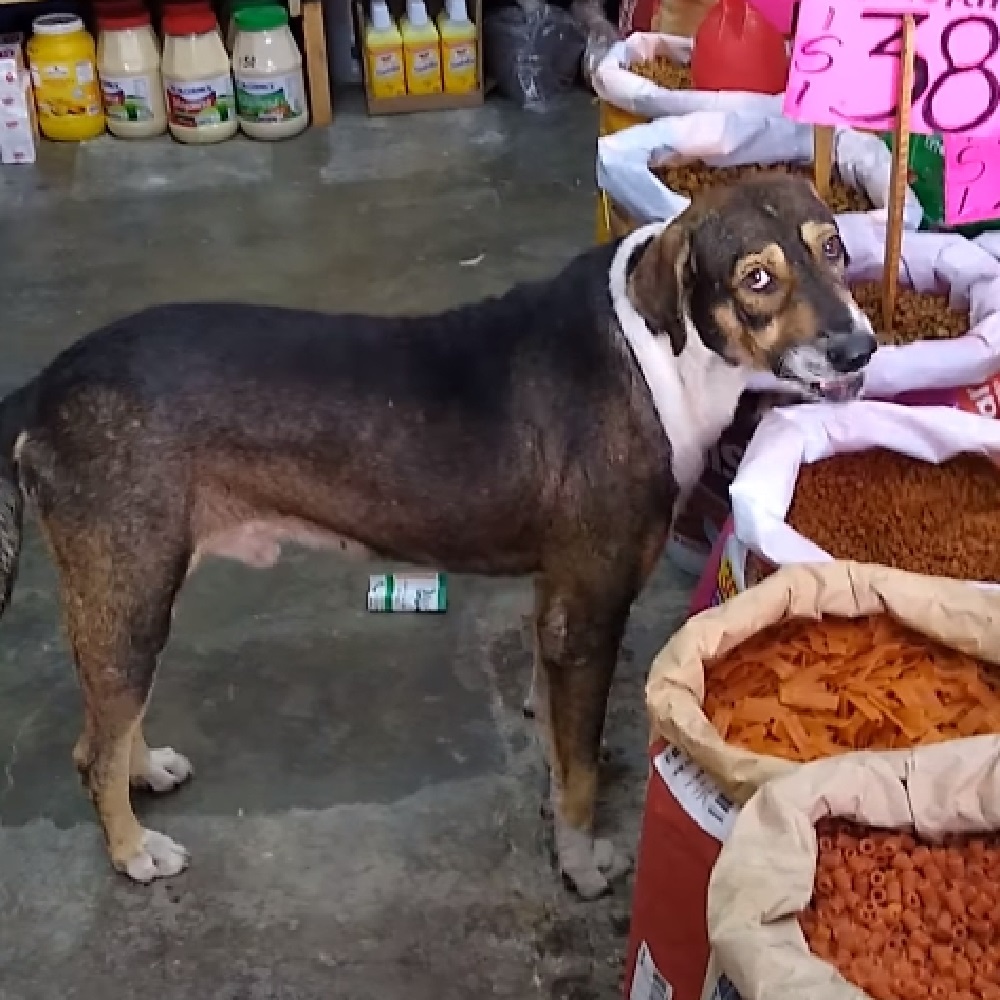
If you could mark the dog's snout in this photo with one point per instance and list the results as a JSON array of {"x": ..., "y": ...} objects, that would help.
[{"x": 850, "y": 352}]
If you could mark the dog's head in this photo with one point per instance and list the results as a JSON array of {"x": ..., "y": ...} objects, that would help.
[{"x": 758, "y": 270}]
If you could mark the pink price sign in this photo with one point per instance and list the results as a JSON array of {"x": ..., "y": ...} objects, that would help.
[
  {"x": 971, "y": 180},
  {"x": 845, "y": 65}
]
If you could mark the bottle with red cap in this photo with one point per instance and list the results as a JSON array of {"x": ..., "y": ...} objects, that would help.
[
  {"x": 128, "y": 63},
  {"x": 735, "y": 48},
  {"x": 197, "y": 81}
]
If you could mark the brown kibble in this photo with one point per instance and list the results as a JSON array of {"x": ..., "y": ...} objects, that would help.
[
  {"x": 664, "y": 72},
  {"x": 879, "y": 506},
  {"x": 690, "y": 178},
  {"x": 917, "y": 315}
]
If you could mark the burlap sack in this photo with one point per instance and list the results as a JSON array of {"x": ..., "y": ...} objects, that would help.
[
  {"x": 764, "y": 875},
  {"x": 958, "y": 614}
]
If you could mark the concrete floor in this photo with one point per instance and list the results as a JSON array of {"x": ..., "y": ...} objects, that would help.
[{"x": 365, "y": 817}]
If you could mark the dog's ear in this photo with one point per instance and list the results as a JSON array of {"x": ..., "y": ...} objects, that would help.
[{"x": 660, "y": 284}]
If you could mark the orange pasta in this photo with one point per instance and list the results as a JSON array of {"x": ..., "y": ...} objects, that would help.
[
  {"x": 909, "y": 950},
  {"x": 807, "y": 689}
]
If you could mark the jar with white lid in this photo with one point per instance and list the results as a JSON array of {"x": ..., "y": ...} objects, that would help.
[
  {"x": 197, "y": 82},
  {"x": 128, "y": 64},
  {"x": 267, "y": 65}
]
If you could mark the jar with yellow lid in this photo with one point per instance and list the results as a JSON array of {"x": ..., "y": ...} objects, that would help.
[{"x": 63, "y": 61}]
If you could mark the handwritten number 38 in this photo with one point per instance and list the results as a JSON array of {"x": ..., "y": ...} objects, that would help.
[{"x": 891, "y": 47}]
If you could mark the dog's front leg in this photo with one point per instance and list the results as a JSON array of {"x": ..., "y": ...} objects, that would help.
[{"x": 579, "y": 627}]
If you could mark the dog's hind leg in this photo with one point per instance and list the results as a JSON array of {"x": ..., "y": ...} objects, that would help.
[
  {"x": 117, "y": 604},
  {"x": 582, "y": 612}
]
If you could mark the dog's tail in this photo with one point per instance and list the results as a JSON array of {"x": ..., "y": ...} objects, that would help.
[{"x": 15, "y": 412}]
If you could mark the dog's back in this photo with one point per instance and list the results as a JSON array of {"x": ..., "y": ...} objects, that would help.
[{"x": 381, "y": 430}]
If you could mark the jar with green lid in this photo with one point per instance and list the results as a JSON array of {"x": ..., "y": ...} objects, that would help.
[
  {"x": 267, "y": 67},
  {"x": 235, "y": 7},
  {"x": 63, "y": 62}
]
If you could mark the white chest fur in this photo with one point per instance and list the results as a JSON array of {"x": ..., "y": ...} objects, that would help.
[{"x": 695, "y": 393}]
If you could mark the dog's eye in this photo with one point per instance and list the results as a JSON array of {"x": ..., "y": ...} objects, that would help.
[
  {"x": 758, "y": 280},
  {"x": 833, "y": 248}
]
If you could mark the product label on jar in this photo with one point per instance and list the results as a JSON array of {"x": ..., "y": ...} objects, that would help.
[
  {"x": 387, "y": 64},
  {"x": 66, "y": 89},
  {"x": 200, "y": 103},
  {"x": 127, "y": 99},
  {"x": 461, "y": 56},
  {"x": 425, "y": 61},
  {"x": 279, "y": 99}
]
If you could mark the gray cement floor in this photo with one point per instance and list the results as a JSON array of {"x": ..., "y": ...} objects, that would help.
[{"x": 364, "y": 820}]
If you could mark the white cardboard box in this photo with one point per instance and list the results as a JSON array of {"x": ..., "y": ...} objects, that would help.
[{"x": 18, "y": 121}]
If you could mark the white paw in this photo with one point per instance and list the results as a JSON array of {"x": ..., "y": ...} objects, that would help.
[
  {"x": 588, "y": 865},
  {"x": 165, "y": 770},
  {"x": 159, "y": 857}
]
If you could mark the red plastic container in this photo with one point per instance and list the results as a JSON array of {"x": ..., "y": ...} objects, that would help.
[{"x": 736, "y": 48}]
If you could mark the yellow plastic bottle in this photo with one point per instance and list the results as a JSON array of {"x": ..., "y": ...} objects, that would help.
[
  {"x": 421, "y": 50},
  {"x": 384, "y": 54},
  {"x": 63, "y": 62},
  {"x": 459, "y": 52}
]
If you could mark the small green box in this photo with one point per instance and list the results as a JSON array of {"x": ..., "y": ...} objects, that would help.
[{"x": 408, "y": 592}]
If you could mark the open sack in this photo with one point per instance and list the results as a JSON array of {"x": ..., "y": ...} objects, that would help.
[
  {"x": 698, "y": 780},
  {"x": 788, "y": 438},
  {"x": 616, "y": 84},
  {"x": 764, "y": 875},
  {"x": 931, "y": 262},
  {"x": 732, "y": 138},
  {"x": 952, "y": 612}
]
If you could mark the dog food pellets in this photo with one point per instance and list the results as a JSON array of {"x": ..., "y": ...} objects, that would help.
[
  {"x": 879, "y": 506},
  {"x": 903, "y": 919},
  {"x": 662, "y": 71},
  {"x": 918, "y": 316},
  {"x": 803, "y": 690},
  {"x": 689, "y": 178}
]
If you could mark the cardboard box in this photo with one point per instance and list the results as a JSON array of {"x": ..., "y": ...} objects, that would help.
[
  {"x": 18, "y": 120},
  {"x": 420, "y": 102}
]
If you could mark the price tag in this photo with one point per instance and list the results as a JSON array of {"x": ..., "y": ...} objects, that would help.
[
  {"x": 845, "y": 66},
  {"x": 971, "y": 180}
]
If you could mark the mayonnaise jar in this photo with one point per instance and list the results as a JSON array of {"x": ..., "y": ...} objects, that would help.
[
  {"x": 128, "y": 64},
  {"x": 267, "y": 65},
  {"x": 197, "y": 83}
]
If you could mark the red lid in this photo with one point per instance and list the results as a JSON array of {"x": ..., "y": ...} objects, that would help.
[
  {"x": 736, "y": 48},
  {"x": 122, "y": 17},
  {"x": 195, "y": 20},
  {"x": 104, "y": 7}
]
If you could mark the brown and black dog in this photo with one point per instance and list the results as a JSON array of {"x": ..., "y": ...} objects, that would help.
[{"x": 551, "y": 431}]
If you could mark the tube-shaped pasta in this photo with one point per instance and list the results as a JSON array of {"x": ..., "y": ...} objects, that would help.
[{"x": 904, "y": 920}]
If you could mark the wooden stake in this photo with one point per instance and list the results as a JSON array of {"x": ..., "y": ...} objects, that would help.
[
  {"x": 900, "y": 170},
  {"x": 822, "y": 158}
]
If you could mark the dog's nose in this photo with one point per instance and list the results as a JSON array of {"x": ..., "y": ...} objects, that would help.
[{"x": 850, "y": 352}]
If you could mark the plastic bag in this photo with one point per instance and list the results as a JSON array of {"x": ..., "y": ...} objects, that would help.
[
  {"x": 729, "y": 139},
  {"x": 601, "y": 35},
  {"x": 931, "y": 262},
  {"x": 533, "y": 52},
  {"x": 792, "y": 436},
  {"x": 617, "y": 85}
]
